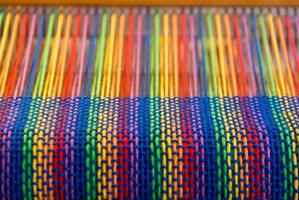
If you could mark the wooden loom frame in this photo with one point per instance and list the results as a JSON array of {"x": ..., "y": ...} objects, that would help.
[{"x": 155, "y": 2}]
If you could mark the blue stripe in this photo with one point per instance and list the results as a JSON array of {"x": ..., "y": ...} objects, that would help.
[
  {"x": 32, "y": 72},
  {"x": 276, "y": 164}
]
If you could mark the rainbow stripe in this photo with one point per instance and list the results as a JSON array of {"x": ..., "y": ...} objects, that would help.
[
  {"x": 149, "y": 103},
  {"x": 183, "y": 151},
  {"x": 171, "y": 52}
]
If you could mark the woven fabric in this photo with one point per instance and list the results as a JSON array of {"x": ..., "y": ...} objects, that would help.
[{"x": 149, "y": 148}]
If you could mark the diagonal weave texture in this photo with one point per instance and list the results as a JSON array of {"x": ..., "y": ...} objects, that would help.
[{"x": 149, "y": 148}]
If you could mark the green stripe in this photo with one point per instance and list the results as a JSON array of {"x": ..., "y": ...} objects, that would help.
[
  {"x": 27, "y": 148},
  {"x": 99, "y": 62},
  {"x": 157, "y": 52},
  {"x": 155, "y": 146},
  {"x": 39, "y": 85},
  {"x": 212, "y": 52},
  {"x": 286, "y": 149},
  {"x": 272, "y": 90},
  {"x": 1, "y": 18},
  {"x": 91, "y": 178}
]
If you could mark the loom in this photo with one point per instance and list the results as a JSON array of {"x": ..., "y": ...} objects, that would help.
[{"x": 149, "y": 99}]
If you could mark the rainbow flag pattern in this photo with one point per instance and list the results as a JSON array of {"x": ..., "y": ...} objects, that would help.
[{"x": 149, "y": 103}]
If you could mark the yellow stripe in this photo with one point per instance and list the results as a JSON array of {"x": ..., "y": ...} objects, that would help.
[
  {"x": 4, "y": 36},
  {"x": 166, "y": 33},
  {"x": 171, "y": 71},
  {"x": 48, "y": 89},
  {"x": 119, "y": 61},
  {"x": 161, "y": 63},
  {"x": 163, "y": 148},
  {"x": 277, "y": 56},
  {"x": 110, "y": 58},
  {"x": 175, "y": 53},
  {"x": 221, "y": 56},
  {"x": 62, "y": 58},
  {"x": 114, "y": 68},
  {"x": 7, "y": 60},
  {"x": 288, "y": 75},
  {"x": 104, "y": 69}
]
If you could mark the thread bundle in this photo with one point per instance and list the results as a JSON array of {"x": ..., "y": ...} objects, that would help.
[
  {"x": 148, "y": 103},
  {"x": 147, "y": 52}
]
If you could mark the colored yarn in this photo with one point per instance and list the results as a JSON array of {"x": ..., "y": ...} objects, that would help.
[{"x": 148, "y": 103}]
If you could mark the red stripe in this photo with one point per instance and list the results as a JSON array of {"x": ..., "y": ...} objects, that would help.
[
  {"x": 242, "y": 82},
  {"x": 58, "y": 151},
  {"x": 120, "y": 157},
  {"x": 293, "y": 49},
  {"x": 70, "y": 73},
  {"x": 16, "y": 63},
  {"x": 127, "y": 61},
  {"x": 66, "y": 91},
  {"x": 123, "y": 156},
  {"x": 253, "y": 151},
  {"x": 184, "y": 83}
]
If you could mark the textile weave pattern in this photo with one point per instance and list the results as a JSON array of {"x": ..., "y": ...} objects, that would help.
[{"x": 149, "y": 148}]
